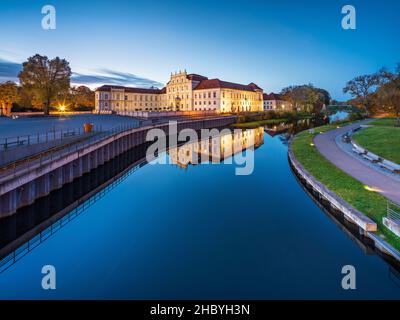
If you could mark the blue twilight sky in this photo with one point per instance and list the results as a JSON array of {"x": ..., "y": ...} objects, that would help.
[{"x": 271, "y": 43}]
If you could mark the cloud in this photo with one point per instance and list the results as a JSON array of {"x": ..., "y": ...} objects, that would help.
[
  {"x": 107, "y": 76},
  {"x": 9, "y": 72}
]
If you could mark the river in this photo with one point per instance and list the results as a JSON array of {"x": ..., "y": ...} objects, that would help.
[{"x": 193, "y": 232}]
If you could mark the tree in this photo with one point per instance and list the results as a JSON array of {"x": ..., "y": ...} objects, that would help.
[
  {"x": 45, "y": 78},
  {"x": 294, "y": 95},
  {"x": 388, "y": 96},
  {"x": 82, "y": 96},
  {"x": 8, "y": 95},
  {"x": 361, "y": 89},
  {"x": 306, "y": 97}
]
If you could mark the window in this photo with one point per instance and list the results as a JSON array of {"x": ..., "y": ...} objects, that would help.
[{"x": 215, "y": 94}]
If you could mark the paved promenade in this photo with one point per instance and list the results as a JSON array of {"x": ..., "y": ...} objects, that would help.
[{"x": 326, "y": 144}]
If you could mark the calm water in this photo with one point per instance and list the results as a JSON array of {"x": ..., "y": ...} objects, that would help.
[{"x": 201, "y": 232}]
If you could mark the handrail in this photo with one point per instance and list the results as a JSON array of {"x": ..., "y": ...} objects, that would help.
[
  {"x": 77, "y": 147},
  {"x": 41, "y": 137},
  {"x": 58, "y": 153}
]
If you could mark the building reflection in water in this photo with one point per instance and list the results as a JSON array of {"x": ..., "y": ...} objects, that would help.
[{"x": 217, "y": 148}]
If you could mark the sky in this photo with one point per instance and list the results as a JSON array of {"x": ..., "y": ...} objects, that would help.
[{"x": 139, "y": 43}]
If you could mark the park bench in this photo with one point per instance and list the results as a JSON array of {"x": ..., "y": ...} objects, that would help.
[
  {"x": 393, "y": 167},
  {"x": 13, "y": 143},
  {"x": 359, "y": 151},
  {"x": 372, "y": 157},
  {"x": 356, "y": 129},
  {"x": 346, "y": 138}
]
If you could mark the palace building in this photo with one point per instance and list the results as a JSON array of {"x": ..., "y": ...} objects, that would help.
[
  {"x": 183, "y": 92},
  {"x": 216, "y": 149},
  {"x": 276, "y": 102}
]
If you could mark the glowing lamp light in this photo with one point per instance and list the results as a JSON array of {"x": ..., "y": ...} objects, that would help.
[
  {"x": 371, "y": 189},
  {"x": 62, "y": 108},
  {"x": 312, "y": 144}
]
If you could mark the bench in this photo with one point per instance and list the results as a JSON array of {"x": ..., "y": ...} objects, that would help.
[
  {"x": 346, "y": 138},
  {"x": 372, "y": 157},
  {"x": 360, "y": 151},
  {"x": 357, "y": 129},
  {"x": 393, "y": 167}
]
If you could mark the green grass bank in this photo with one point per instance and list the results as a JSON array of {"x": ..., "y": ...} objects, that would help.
[
  {"x": 351, "y": 190},
  {"x": 383, "y": 139}
]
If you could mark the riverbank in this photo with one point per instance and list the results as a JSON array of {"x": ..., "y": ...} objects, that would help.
[
  {"x": 257, "y": 124},
  {"x": 370, "y": 203},
  {"x": 269, "y": 118},
  {"x": 382, "y": 138}
]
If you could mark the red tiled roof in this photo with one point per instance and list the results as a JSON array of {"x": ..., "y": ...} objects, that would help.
[
  {"x": 216, "y": 83},
  {"x": 272, "y": 96},
  {"x": 196, "y": 77},
  {"x": 131, "y": 89}
]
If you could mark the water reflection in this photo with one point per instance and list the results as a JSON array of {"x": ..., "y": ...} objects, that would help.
[
  {"x": 217, "y": 148},
  {"x": 33, "y": 224},
  {"x": 256, "y": 237}
]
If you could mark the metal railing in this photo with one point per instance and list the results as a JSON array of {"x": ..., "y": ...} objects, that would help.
[
  {"x": 42, "y": 137},
  {"x": 27, "y": 164},
  {"x": 31, "y": 244},
  {"x": 393, "y": 211}
]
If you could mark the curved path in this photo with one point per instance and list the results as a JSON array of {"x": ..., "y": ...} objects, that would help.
[{"x": 327, "y": 146}]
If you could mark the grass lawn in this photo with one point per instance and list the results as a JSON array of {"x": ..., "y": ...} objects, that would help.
[
  {"x": 351, "y": 190},
  {"x": 256, "y": 124},
  {"x": 384, "y": 122},
  {"x": 381, "y": 140}
]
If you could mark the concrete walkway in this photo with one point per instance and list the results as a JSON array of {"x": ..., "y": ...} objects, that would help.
[{"x": 368, "y": 175}]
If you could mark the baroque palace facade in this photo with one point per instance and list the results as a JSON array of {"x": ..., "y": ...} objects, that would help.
[{"x": 183, "y": 92}]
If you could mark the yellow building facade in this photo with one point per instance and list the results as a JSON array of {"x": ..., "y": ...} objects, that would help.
[
  {"x": 216, "y": 149},
  {"x": 183, "y": 92}
]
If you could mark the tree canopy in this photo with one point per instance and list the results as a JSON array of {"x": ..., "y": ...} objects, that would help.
[
  {"x": 377, "y": 93},
  {"x": 306, "y": 97},
  {"x": 8, "y": 95},
  {"x": 45, "y": 79}
]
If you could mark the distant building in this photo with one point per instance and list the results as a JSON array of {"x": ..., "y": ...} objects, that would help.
[
  {"x": 183, "y": 92},
  {"x": 216, "y": 149},
  {"x": 275, "y": 102}
]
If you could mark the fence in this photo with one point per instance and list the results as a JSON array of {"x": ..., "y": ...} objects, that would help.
[
  {"x": 166, "y": 114},
  {"x": 10, "y": 171},
  {"x": 44, "y": 137},
  {"x": 393, "y": 211},
  {"x": 28, "y": 246}
]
